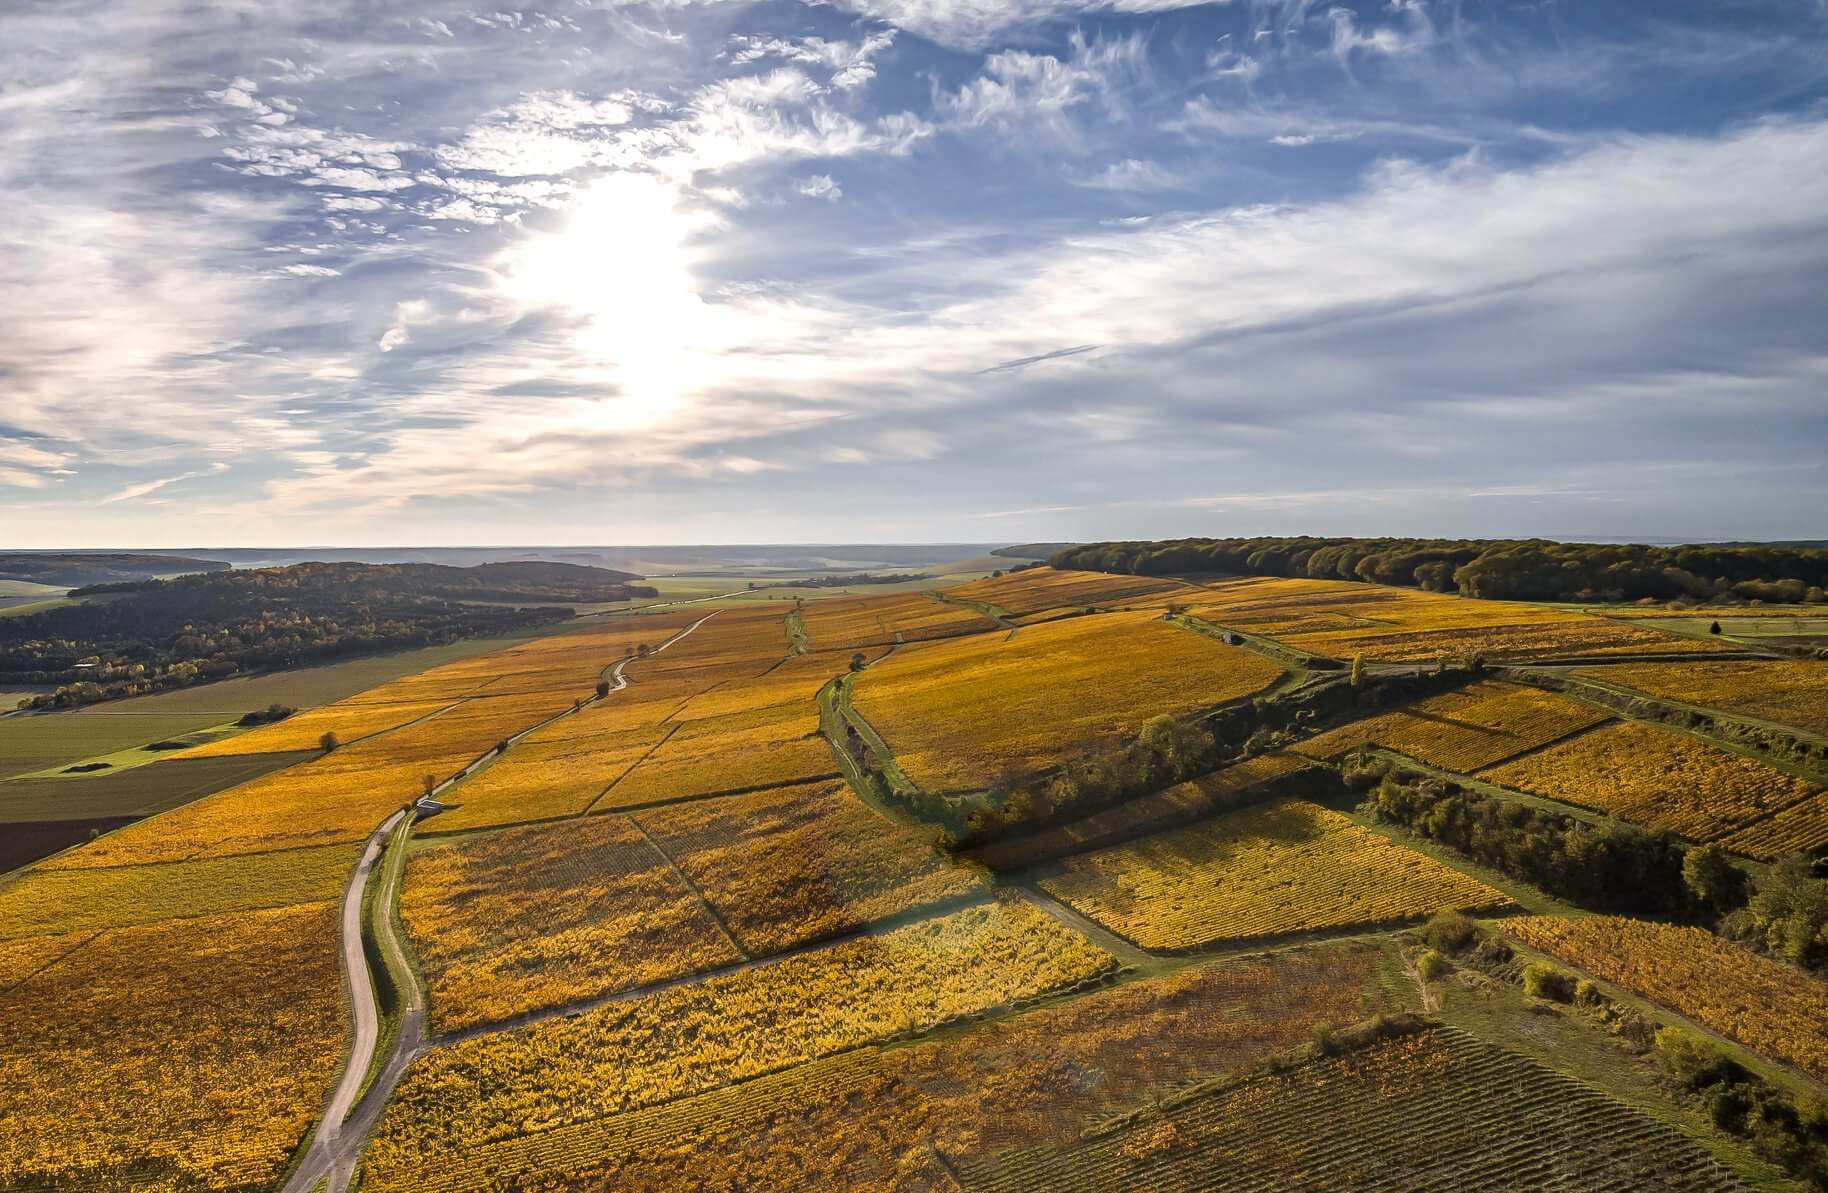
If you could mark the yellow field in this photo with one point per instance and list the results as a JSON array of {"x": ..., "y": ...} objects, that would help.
[
  {"x": 87, "y": 900},
  {"x": 854, "y": 623},
  {"x": 786, "y": 866},
  {"x": 874, "y": 1119},
  {"x": 1787, "y": 692},
  {"x": 1656, "y": 777},
  {"x": 21, "y": 958},
  {"x": 1800, "y": 828},
  {"x": 707, "y": 759},
  {"x": 1342, "y": 619},
  {"x": 542, "y": 781},
  {"x": 695, "y": 1037},
  {"x": 1466, "y": 730},
  {"x": 303, "y": 731},
  {"x": 189, "y": 1054},
  {"x": 1038, "y": 590},
  {"x": 531, "y": 918},
  {"x": 1766, "y": 1005},
  {"x": 958, "y": 713},
  {"x": 1288, "y": 866}
]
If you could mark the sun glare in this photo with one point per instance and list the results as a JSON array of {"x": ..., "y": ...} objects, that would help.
[{"x": 624, "y": 262}]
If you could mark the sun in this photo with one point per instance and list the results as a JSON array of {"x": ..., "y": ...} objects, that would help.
[{"x": 624, "y": 261}]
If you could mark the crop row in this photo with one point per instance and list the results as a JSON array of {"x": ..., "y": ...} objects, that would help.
[
  {"x": 798, "y": 863},
  {"x": 1466, "y": 730},
  {"x": 1344, "y": 619},
  {"x": 1038, "y": 590},
  {"x": 43, "y": 900},
  {"x": 1437, "y": 1110},
  {"x": 1656, "y": 777},
  {"x": 864, "y": 1120},
  {"x": 555, "y": 1159},
  {"x": 1766, "y": 1005},
  {"x": 1284, "y": 867},
  {"x": 690, "y": 1038},
  {"x": 857, "y": 622},
  {"x": 958, "y": 714},
  {"x": 1789, "y": 692},
  {"x": 531, "y": 918},
  {"x": 189, "y": 1053}
]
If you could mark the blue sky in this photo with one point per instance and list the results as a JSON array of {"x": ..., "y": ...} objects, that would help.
[{"x": 902, "y": 270}]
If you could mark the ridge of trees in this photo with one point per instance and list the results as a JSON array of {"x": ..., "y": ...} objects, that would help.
[
  {"x": 133, "y": 638},
  {"x": 1495, "y": 569}
]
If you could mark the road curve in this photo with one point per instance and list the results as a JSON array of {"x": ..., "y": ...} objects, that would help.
[
  {"x": 319, "y": 1156},
  {"x": 330, "y": 1154}
]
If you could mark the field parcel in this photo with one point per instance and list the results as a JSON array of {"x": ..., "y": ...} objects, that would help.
[{"x": 957, "y": 714}]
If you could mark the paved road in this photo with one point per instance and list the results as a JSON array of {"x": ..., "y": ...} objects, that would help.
[
  {"x": 367, "y": 1020},
  {"x": 333, "y": 1152}
]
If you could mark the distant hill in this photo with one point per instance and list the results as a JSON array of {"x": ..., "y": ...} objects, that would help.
[
  {"x": 147, "y": 635},
  {"x": 1033, "y": 550},
  {"x": 78, "y": 568}
]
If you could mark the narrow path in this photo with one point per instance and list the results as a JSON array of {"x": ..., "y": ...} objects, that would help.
[
  {"x": 716, "y": 916},
  {"x": 320, "y": 1155},
  {"x": 1067, "y": 917}
]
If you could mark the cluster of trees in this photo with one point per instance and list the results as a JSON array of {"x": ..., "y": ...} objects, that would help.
[
  {"x": 1782, "y": 910},
  {"x": 1785, "y": 913},
  {"x": 130, "y": 639},
  {"x": 1163, "y": 753},
  {"x": 1612, "y": 868},
  {"x": 1792, "y": 1134},
  {"x": 266, "y": 716},
  {"x": 1498, "y": 569}
]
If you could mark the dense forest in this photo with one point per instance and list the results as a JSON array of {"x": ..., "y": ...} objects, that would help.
[
  {"x": 1496, "y": 569},
  {"x": 128, "y": 639}
]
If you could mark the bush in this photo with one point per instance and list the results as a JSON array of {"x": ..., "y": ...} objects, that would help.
[
  {"x": 1545, "y": 981},
  {"x": 1449, "y": 932},
  {"x": 1432, "y": 966},
  {"x": 1696, "y": 1063}
]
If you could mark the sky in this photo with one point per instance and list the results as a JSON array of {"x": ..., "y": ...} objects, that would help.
[{"x": 910, "y": 270}]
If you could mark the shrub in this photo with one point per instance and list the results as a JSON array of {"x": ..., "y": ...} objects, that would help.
[
  {"x": 1432, "y": 966},
  {"x": 1448, "y": 932},
  {"x": 1545, "y": 981}
]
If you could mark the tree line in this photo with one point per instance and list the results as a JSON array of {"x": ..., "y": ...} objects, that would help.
[
  {"x": 134, "y": 638},
  {"x": 1495, "y": 569}
]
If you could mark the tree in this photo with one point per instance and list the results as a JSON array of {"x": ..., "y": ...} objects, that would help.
[
  {"x": 1714, "y": 629},
  {"x": 328, "y": 741},
  {"x": 1787, "y": 913},
  {"x": 602, "y": 688},
  {"x": 858, "y": 661},
  {"x": 430, "y": 783},
  {"x": 1714, "y": 880},
  {"x": 641, "y": 650}
]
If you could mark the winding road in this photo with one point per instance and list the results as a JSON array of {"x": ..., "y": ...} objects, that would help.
[
  {"x": 320, "y": 1157},
  {"x": 332, "y": 1155}
]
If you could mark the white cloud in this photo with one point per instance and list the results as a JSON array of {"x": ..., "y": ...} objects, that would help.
[
  {"x": 1021, "y": 87},
  {"x": 819, "y": 186},
  {"x": 1133, "y": 175},
  {"x": 131, "y": 492}
]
